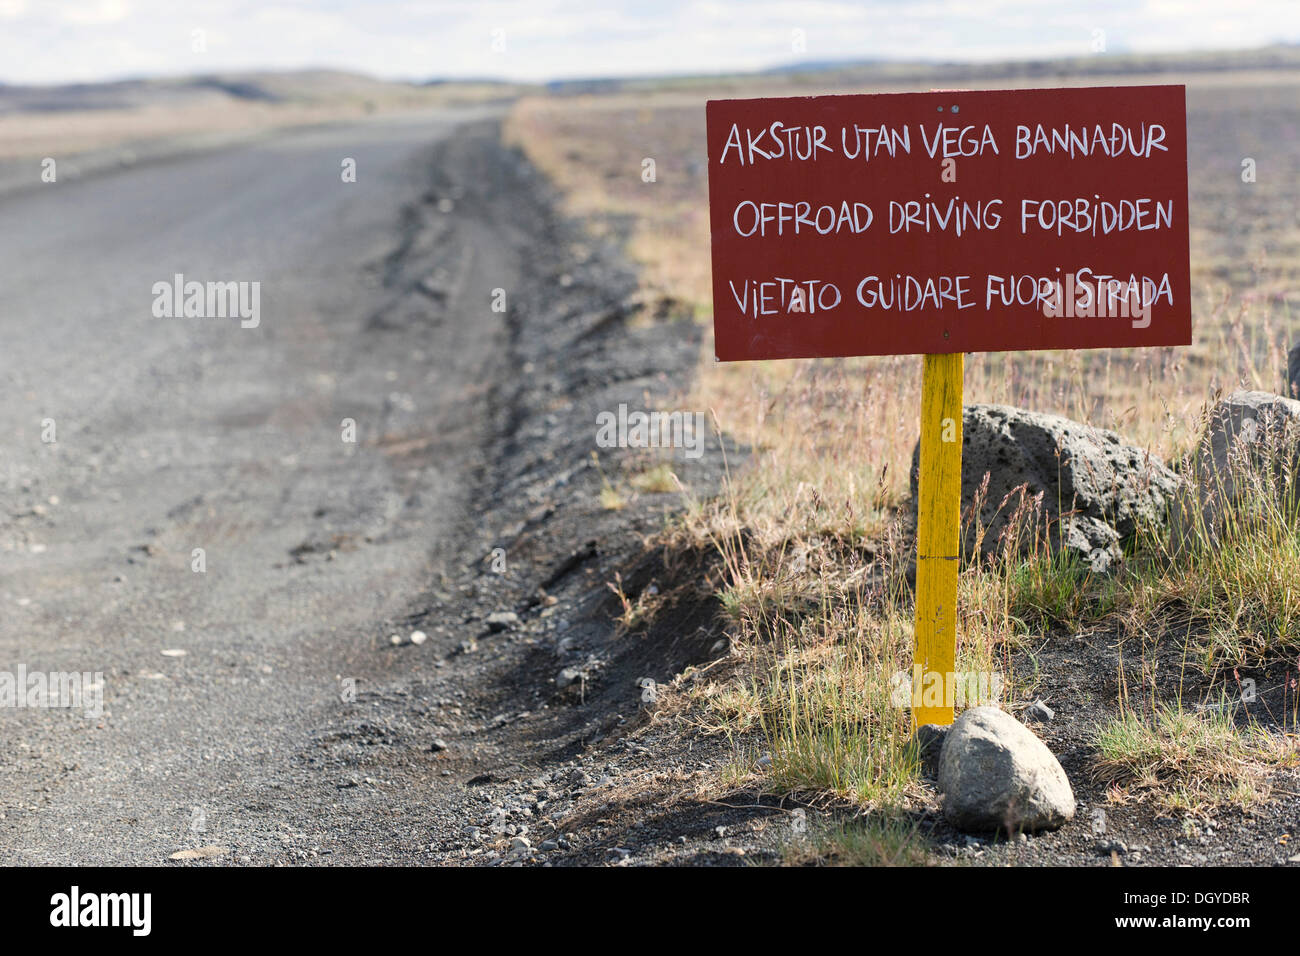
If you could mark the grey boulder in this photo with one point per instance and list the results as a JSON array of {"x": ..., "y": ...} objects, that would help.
[
  {"x": 1094, "y": 490},
  {"x": 1248, "y": 458},
  {"x": 994, "y": 774}
]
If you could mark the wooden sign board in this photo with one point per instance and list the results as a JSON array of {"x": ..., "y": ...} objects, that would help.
[{"x": 951, "y": 221}]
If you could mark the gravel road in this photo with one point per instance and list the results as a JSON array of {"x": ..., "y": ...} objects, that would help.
[{"x": 221, "y": 680}]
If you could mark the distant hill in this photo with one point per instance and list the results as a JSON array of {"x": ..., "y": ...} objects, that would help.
[
  {"x": 1278, "y": 56},
  {"x": 303, "y": 87},
  {"x": 866, "y": 72}
]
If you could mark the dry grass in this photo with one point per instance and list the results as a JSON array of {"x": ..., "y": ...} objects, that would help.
[
  {"x": 866, "y": 842},
  {"x": 845, "y": 426},
  {"x": 815, "y": 549},
  {"x": 74, "y": 131},
  {"x": 655, "y": 480},
  {"x": 191, "y": 118},
  {"x": 1187, "y": 760}
]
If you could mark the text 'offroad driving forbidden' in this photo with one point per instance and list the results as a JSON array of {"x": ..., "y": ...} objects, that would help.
[{"x": 957, "y": 221}]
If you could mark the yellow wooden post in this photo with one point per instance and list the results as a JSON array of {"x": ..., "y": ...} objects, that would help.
[{"x": 938, "y": 539}]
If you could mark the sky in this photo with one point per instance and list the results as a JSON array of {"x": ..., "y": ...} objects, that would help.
[{"x": 57, "y": 41}]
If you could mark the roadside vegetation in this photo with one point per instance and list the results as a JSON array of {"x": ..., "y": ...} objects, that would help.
[
  {"x": 1187, "y": 759},
  {"x": 813, "y": 531},
  {"x": 885, "y": 842}
]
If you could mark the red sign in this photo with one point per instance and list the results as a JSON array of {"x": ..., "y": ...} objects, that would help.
[{"x": 952, "y": 221}]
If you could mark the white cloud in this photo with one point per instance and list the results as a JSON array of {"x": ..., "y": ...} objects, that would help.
[
  {"x": 93, "y": 11},
  {"x": 61, "y": 40}
]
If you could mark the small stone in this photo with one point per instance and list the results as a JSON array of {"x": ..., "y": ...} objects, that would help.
[
  {"x": 418, "y": 637},
  {"x": 929, "y": 740},
  {"x": 1038, "y": 711},
  {"x": 548, "y": 845},
  {"x": 1107, "y": 847},
  {"x": 520, "y": 844},
  {"x": 395, "y": 639},
  {"x": 502, "y": 620},
  {"x": 996, "y": 775},
  {"x": 621, "y": 852},
  {"x": 201, "y": 853},
  {"x": 578, "y": 779},
  {"x": 438, "y": 745}
]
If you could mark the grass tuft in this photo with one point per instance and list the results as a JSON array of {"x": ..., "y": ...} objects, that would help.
[
  {"x": 1188, "y": 760},
  {"x": 868, "y": 842}
]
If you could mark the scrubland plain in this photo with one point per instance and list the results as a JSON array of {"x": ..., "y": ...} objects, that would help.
[{"x": 814, "y": 530}]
